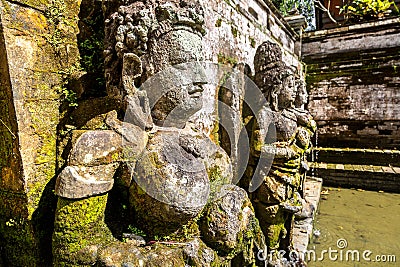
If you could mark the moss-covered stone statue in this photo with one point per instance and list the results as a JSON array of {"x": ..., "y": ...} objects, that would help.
[
  {"x": 280, "y": 194},
  {"x": 178, "y": 181}
]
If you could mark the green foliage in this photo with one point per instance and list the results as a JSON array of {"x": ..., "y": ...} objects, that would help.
[
  {"x": 66, "y": 94},
  {"x": 134, "y": 230},
  {"x": 90, "y": 43},
  {"x": 69, "y": 96},
  {"x": 304, "y": 7},
  {"x": 186, "y": 232},
  {"x": 91, "y": 48},
  {"x": 55, "y": 14},
  {"x": 368, "y": 9}
]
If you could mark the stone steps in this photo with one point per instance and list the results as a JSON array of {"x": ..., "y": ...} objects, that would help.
[
  {"x": 371, "y": 177},
  {"x": 355, "y": 156}
]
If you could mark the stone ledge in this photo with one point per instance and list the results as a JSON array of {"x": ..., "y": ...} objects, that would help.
[
  {"x": 371, "y": 177},
  {"x": 356, "y": 156},
  {"x": 355, "y": 167},
  {"x": 345, "y": 29}
]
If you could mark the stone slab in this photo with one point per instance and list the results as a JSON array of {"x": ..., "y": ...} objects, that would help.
[{"x": 302, "y": 231}]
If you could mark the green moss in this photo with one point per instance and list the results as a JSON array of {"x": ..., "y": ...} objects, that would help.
[
  {"x": 56, "y": 16},
  {"x": 155, "y": 161},
  {"x": 79, "y": 228},
  {"x": 22, "y": 240},
  {"x": 44, "y": 118},
  {"x": 234, "y": 31},
  {"x": 17, "y": 234},
  {"x": 227, "y": 60},
  {"x": 276, "y": 230},
  {"x": 62, "y": 18},
  {"x": 214, "y": 173},
  {"x": 274, "y": 235},
  {"x": 214, "y": 136},
  {"x": 36, "y": 3},
  {"x": 218, "y": 23},
  {"x": 257, "y": 142},
  {"x": 245, "y": 240},
  {"x": 35, "y": 192},
  {"x": 252, "y": 42},
  {"x": 6, "y": 6}
]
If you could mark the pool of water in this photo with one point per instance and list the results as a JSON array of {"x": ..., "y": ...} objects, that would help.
[{"x": 356, "y": 224}]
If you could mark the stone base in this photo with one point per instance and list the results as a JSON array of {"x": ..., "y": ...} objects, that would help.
[{"x": 303, "y": 227}]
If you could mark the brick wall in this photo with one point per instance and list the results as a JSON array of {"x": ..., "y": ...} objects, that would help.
[{"x": 353, "y": 77}]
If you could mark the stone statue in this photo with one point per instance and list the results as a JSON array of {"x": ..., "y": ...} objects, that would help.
[
  {"x": 179, "y": 181},
  {"x": 307, "y": 128},
  {"x": 280, "y": 194}
]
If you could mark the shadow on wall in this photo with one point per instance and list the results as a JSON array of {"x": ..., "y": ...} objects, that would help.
[
  {"x": 1, "y": 251},
  {"x": 43, "y": 222}
]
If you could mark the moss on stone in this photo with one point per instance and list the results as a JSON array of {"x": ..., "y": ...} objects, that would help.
[
  {"x": 26, "y": 218},
  {"x": 218, "y": 23},
  {"x": 6, "y": 6},
  {"x": 275, "y": 230},
  {"x": 79, "y": 230},
  {"x": 252, "y": 42},
  {"x": 227, "y": 60},
  {"x": 40, "y": 4},
  {"x": 16, "y": 233},
  {"x": 44, "y": 118},
  {"x": 234, "y": 31},
  {"x": 214, "y": 173}
]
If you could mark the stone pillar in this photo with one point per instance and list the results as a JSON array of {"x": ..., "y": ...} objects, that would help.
[{"x": 33, "y": 54}]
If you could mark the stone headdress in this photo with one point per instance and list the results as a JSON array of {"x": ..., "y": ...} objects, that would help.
[
  {"x": 270, "y": 71},
  {"x": 130, "y": 31}
]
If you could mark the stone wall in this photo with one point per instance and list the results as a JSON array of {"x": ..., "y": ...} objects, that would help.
[
  {"x": 354, "y": 86},
  {"x": 235, "y": 28}
]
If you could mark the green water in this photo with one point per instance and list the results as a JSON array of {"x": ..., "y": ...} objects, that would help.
[{"x": 366, "y": 220}]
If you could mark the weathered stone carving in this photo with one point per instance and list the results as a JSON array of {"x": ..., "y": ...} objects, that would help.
[
  {"x": 231, "y": 224},
  {"x": 178, "y": 176},
  {"x": 280, "y": 194}
]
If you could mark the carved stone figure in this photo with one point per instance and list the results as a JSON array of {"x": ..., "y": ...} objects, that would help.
[
  {"x": 280, "y": 194},
  {"x": 175, "y": 173}
]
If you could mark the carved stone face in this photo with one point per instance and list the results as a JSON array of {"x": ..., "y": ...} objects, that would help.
[
  {"x": 287, "y": 94},
  {"x": 183, "y": 95},
  {"x": 302, "y": 94}
]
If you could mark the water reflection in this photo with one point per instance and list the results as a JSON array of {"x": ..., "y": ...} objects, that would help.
[{"x": 366, "y": 220}]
